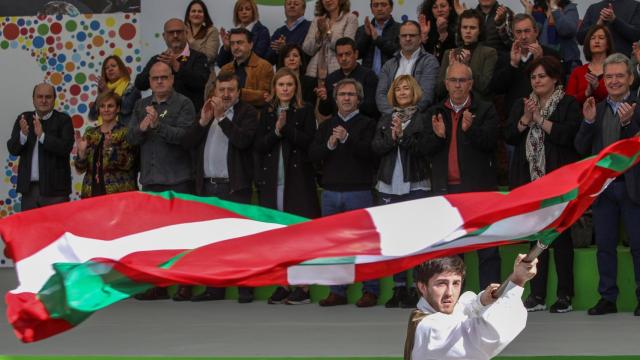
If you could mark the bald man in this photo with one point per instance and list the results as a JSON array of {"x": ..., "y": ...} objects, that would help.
[
  {"x": 189, "y": 67},
  {"x": 43, "y": 140}
]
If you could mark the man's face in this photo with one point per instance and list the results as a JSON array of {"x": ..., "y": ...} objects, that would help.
[
  {"x": 347, "y": 57},
  {"x": 617, "y": 79},
  {"x": 381, "y": 10},
  {"x": 409, "y": 38},
  {"x": 525, "y": 32},
  {"x": 442, "y": 291},
  {"x": 175, "y": 35},
  {"x": 347, "y": 99},
  {"x": 228, "y": 91},
  {"x": 294, "y": 9},
  {"x": 240, "y": 47},
  {"x": 43, "y": 99},
  {"x": 458, "y": 83},
  {"x": 160, "y": 79},
  {"x": 470, "y": 30}
]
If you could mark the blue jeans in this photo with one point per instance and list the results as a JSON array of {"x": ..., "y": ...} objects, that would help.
[
  {"x": 613, "y": 203},
  {"x": 384, "y": 199},
  {"x": 335, "y": 202}
]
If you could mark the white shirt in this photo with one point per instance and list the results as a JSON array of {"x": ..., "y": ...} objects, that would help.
[
  {"x": 216, "y": 148},
  {"x": 405, "y": 66},
  {"x": 472, "y": 331},
  {"x": 250, "y": 26},
  {"x": 35, "y": 171}
]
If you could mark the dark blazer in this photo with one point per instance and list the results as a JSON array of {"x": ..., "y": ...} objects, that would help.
[
  {"x": 558, "y": 145},
  {"x": 300, "y": 190},
  {"x": 189, "y": 81},
  {"x": 53, "y": 155},
  {"x": 625, "y": 29},
  {"x": 476, "y": 148},
  {"x": 514, "y": 82},
  {"x": 413, "y": 150},
  {"x": 387, "y": 43},
  {"x": 369, "y": 81},
  {"x": 588, "y": 141},
  {"x": 240, "y": 131},
  {"x": 261, "y": 45}
]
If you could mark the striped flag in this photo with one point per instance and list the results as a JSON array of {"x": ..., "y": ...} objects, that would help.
[{"x": 75, "y": 258}]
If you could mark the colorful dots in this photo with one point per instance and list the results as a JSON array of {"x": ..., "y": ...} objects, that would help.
[
  {"x": 98, "y": 41},
  {"x": 69, "y": 67},
  {"x": 127, "y": 31},
  {"x": 24, "y": 31},
  {"x": 68, "y": 45},
  {"x": 56, "y": 78},
  {"x": 11, "y": 31},
  {"x": 56, "y": 28},
  {"x": 62, "y": 58},
  {"x": 43, "y": 29},
  {"x": 81, "y": 36},
  {"x": 38, "y": 42},
  {"x": 73, "y": 101},
  {"x": 67, "y": 78},
  {"x": 84, "y": 97},
  {"x": 74, "y": 90},
  {"x": 77, "y": 121},
  {"x": 110, "y": 21},
  {"x": 71, "y": 26},
  {"x": 112, "y": 34},
  {"x": 95, "y": 25},
  {"x": 50, "y": 40}
]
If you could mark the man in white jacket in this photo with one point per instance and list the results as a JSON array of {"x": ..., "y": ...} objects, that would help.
[{"x": 449, "y": 326}]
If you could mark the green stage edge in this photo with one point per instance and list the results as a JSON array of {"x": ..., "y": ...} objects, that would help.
[
  {"x": 293, "y": 358},
  {"x": 585, "y": 279}
]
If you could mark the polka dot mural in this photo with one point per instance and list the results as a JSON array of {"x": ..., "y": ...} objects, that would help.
[{"x": 69, "y": 52}]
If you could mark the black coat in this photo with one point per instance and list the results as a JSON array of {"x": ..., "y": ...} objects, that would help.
[
  {"x": 558, "y": 145},
  {"x": 53, "y": 155},
  {"x": 588, "y": 141},
  {"x": 300, "y": 189},
  {"x": 369, "y": 81},
  {"x": 189, "y": 81},
  {"x": 387, "y": 43},
  {"x": 412, "y": 145},
  {"x": 240, "y": 131},
  {"x": 476, "y": 149}
]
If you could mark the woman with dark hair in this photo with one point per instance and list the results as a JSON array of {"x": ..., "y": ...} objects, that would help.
[
  {"x": 438, "y": 21},
  {"x": 291, "y": 57},
  {"x": 286, "y": 178},
  {"x": 481, "y": 59},
  {"x": 115, "y": 77},
  {"x": 542, "y": 128},
  {"x": 104, "y": 155},
  {"x": 201, "y": 34},
  {"x": 333, "y": 20},
  {"x": 245, "y": 15},
  {"x": 587, "y": 80}
]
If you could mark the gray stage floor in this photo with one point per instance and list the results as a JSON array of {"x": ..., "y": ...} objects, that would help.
[{"x": 229, "y": 329}]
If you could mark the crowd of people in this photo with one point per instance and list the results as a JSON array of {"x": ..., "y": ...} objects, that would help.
[{"x": 373, "y": 111}]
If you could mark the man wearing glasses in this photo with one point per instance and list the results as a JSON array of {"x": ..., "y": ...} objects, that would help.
[
  {"x": 461, "y": 145},
  {"x": 412, "y": 60}
]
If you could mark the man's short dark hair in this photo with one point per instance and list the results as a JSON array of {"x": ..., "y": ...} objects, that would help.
[
  {"x": 389, "y": 1},
  {"x": 347, "y": 41},
  {"x": 242, "y": 31},
  {"x": 412, "y": 22},
  {"x": 471, "y": 14},
  {"x": 425, "y": 271},
  {"x": 522, "y": 17}
]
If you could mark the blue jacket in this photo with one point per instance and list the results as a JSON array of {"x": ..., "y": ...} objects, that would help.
[
  {"x": 295, "y": 36},
  {"x": 566, "y": 28}
]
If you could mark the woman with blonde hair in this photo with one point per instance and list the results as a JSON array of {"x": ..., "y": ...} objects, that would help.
[
  {"x": 286, "y": 178},
  {"x": 403, "y": 173},
  {"x": 245, "y": 15},
  {"x": 201, "y": 34}
]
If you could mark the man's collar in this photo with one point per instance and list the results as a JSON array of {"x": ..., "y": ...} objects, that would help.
[
  {"x": 295, "y": 24},
  {"x": 414, "y": 55},
  {"x": 154, "y": 99},
  {"x": 251, "y": 25},
  {"x": 377, "y": 24},
  {"x": 425, "y": 307},
  {"x": 349, "y": 116},
  {"x": 350, "y": 72},
  {"x": 244, "y": 63},
  {"x": 186, "y": 51},
  {"x": 46, "y": 116},
  {"x": 612, "y": 102}
]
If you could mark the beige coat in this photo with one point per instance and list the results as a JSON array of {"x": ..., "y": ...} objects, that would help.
[
  {"x": 208, "y": 45},
  {"x": 345, "y": 26}
]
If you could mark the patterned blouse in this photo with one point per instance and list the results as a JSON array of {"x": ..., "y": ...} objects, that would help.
[{"x": 110, "y": 164}]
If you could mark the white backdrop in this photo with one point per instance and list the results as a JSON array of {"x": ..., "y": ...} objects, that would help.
[{"x": 69, "y": 52}]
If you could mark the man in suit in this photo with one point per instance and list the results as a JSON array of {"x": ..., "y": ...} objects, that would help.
[
  {"x": 622, "y": 18},
  {"x": 462, "y": 141},
  {"x": 616, "y": 118},
  {"x": 189, "y": 67},
  {"x": 223, "y": 162},
  {"x": 377, "y": 39},
  {"x": 42, "y": 139},
  {"x": 254, "y": 73}
]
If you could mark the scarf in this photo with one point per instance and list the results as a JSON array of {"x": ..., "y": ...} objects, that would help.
[
  {"x": 118, "y": 87},
  {"x": 404, "y": 114},
  {"x": 535, "y": 138}
]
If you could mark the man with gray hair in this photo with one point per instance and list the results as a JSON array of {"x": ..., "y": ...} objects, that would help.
[
  {"x": 342, "y": 149},
  {"x": 461, "y": 144},
  {"x": 616, "y": 118}
]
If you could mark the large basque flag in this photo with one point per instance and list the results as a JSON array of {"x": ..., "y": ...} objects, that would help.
[{"x": 75, "y": 258}]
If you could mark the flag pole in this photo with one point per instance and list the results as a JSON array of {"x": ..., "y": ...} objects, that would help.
[{"x": 532, "y": 255}]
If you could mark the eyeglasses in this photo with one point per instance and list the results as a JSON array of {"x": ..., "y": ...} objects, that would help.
[
  {"x": 159, "y": 78},
  {"x": 344, "y": 94},
  {"x": 458, "y": 80},
  {"x": 409, "y": 35}
]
